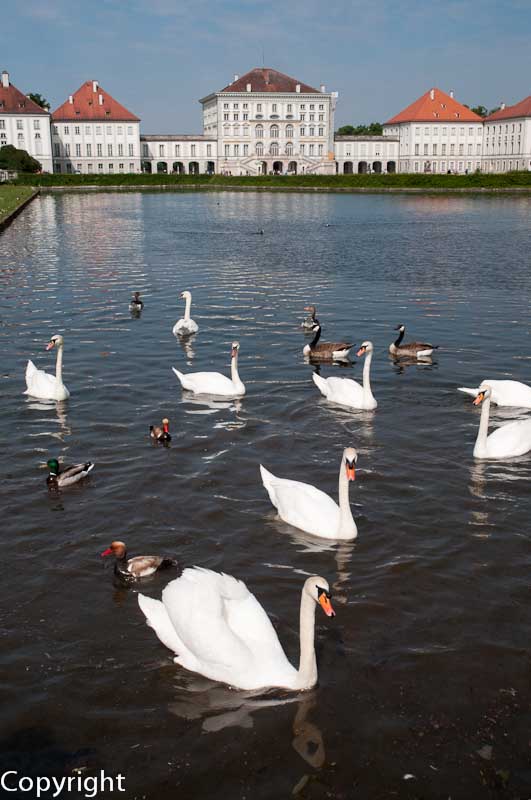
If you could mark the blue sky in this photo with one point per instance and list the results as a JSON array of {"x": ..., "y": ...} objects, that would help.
[{"x": 158, "y": 57}]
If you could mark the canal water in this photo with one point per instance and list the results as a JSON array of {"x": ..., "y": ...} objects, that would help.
[{"x": 424, "y": 674}]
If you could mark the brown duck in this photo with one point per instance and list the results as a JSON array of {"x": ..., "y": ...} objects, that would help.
[
  {"x": 132, "y": 569},
  {"x": 161, "y": 433}
]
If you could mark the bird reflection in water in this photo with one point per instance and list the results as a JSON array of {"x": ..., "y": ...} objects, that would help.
[
  {"x": 307, "y": 737},
  {"x": 402, "y": 363},
  {"x": 60, "y": 410},
  {"x": 186, "y": 344}
]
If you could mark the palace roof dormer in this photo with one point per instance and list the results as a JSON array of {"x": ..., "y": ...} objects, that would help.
[
  {"x": 92, "y": 103},
  {"x": 12, "y": 101},
  {"x": 435, "y": 106}
]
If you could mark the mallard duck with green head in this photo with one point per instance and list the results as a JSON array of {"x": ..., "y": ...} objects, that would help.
[{"x": 60, "y": 476}]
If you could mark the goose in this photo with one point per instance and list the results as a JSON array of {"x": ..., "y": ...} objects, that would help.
[
  {"x": 42, "y": 385},
  {"x": 513, "y": 439},
  {"x": 310, "y": 509},
  {"x": 136, "y": 303},
  {"x": 217, "y": 628},
  {"x": 161, "y": 433},
  {"x": 60, "y": 476},
  {"x": 131, "y": 569},
  {"x": 416, "y": 349},
  {"x": 347, "y": 392},
  {"x": 186, "y": 325},
  {"x": 325, "y": 350},
  {"x": 215, "y": 383},
  {"x": 311, "y": 319},
  {"x": 504, "y": 393}
]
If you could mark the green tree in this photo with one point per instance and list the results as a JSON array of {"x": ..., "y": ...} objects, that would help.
[
  {"x": 374, "y": 129},
  {"x": 40, "y": 100},
  {"x": 493, "y": 110},
  {"x": 18, "y": 160},
  {"x": 481, "y": 111}
]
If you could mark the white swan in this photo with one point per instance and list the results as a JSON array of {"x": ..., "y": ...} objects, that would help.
[
  {"x": 504, "y": 393},
  {"x": 215, "y": 383},
  {"x": 217, "y": 628},
  {"x": 185, "y": 326},
  {"x": 513, "y": 439},
  {"x": 42, "y": 385},
  {"x": 310, "y": 509},
  {"x": 347, "y": 392}
]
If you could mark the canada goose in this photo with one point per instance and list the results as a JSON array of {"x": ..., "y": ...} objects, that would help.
[
  {"x": 138, "y": 567},
  {"x": 325, "y": 350},
  {"x": 417, "y": 349}
]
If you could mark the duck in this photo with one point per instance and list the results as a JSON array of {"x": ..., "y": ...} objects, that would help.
[
  {"x": 132, "y": 569},
  {"x": 325, "y": 351},
  {"x": 215, "y": 383},
  {"x": 161, "y": 433},
  {"x": 347, "y": 392},
  {"x": 508, "y": 441},
  {"x": 504, "y": 393},
  {"x": 311, "y": 320},
  {"x": 60, "y": 477},
  {"x": 136, "y": 303},
  {"x": 41, "y": 384},
  {"x": 217, "y": 628},
  {"x": 185, "y": 326},
  {"x": 415, "y": 349},
  {"x": 310, "y": 509}
]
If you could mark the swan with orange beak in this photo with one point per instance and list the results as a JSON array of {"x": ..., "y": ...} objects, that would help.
[{"x": 311, "y": 510}]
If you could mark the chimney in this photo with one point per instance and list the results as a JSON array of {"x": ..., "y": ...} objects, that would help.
[
  {"x": 298, "y": 88},
  {"x": 502, "y": 107},
  {"x": 248, "y": 87},
  {"x": 236, "y": 78},
  {"x": 100, "y": 99},
  {"x": 70, "y": 99},
  {"x": 432, "y": 94},
  {"x": 94, "y": 86},
  {"x": 5, "y": 79},
  {"x": 452, "y": 93},
  {"x": 323, "y": 88}
]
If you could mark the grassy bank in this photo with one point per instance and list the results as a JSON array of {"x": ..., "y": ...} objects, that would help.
[
  {"x": 474, "y": 181},
  {"x": 11, "y": 198}
]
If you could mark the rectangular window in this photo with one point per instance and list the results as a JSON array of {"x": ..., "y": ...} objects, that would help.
[
  {"x": 131, "y": 167},
  {"x": 236, "y": 149},
  {"x": 435, "y": 131},
  {"x": 434, "y": 149},
  {"x": 226, "y": 117},
  {"x": 109, "y": 150},
  {"x": 89, "y": 167},
  {"x": 98, "y": 130},
  {"x": 192, "y": 150},
  {"x": 289, "y": 108},
  {"x": 312, "y": 107},
  {"x": 417, "y": 149},
  {"x": 453, "y": 131},
  {"x": 109, "y": 130},
  {"x": 245, "y": 105},
  {"x": 303, "y": 131},
  {"x": 426, "y": 131},
  {"x": 77, "y": 130},
  {"x": 461, "y": 148},
  {"x": 161, "y": 150},
  {"x": 235, "y": 105},
  {"x": 20, "y": 125},
  {"x": 312, "y": 117},
  {"x": 87, "y": 130},
  {"x": 321, "y": 131},
  {"x": 120, "y": 149},
  {"x": 225, "y": 105},
  {"x": 227, "y": 151},
  {"x": 235, "y": 117},
  {"x": 246, "y": 117},
  {"x": 320, "y": 149},
  {"x": 100, "y": 167},
  {"x": 78, "y": 150},
  {"x": 209, "y": 150},
  {"x": 302, "y": 117},
  {"x": 145, "y": 150},
  {"x": 89, "y": 150},
  {"x": 469, "y": 149},
  {"x": 425, "y": 149},
  {"x": 177, "y": 149},
  {"x": 55, "y": 130},
  {"x": 36, "y": 124},
  {"x": 443, "y": 149},
  {"x": 321, "y": 117},
  {"x": 57, "y": 149},
  {"x": 246, "y": 149},
  {"x": 2, "y": 124},
  {"x": 121, "y": 167},
  {"x": 274, "y": 108},
  {"x": 302, "y": 148},
  {"x": 119, "y": 131},
  {"x": 111, "y": 167},
  {"x": 444, "y": 131},
  {"x": 131, "y": 150},
  {"x": 259, "y": 106},
  {"x": 67, "y": 150},
  {"x": 99, "y": 150},
  {"x": 452, "y": 149},
  {"x": 79, "y": 167},
  {"x": 130, "y": 130},
  {"x": 66, "y": 130},
  {"x": 311, "y": 149}
]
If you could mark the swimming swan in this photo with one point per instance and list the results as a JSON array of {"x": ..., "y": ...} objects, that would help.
[
  {"x": 42, "y": 385},
  {"x": 347, "y": 392},
  {"x": 186, "y": 325},
  {"x": 504, "y": 393},
  {"x": 215, "y": 383},
  {"x": 512, "y": 439}
]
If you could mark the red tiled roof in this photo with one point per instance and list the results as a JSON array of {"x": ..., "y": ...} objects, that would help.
[
  {"x": 521, "y": 109},
  {"x": 12, "y": 101},
  {"x": 86, "y": 105},
  {"x": 435, "y": 106},
  {"x": 264, "y": 79}
]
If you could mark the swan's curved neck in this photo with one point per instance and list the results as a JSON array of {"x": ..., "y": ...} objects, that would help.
[
  {"x": 481, "y": 440},
  {"x": 367, "y": 391},
  {"x": 399, "y": 338},
  {"x": 315, "y": 339},
  {"x": 235, "y": 377},
  {"x": 59, "y": 365},
  {"x": 347, "y": 526},
  {"x": 188, "y": 307},
  {"x": 307, "y": 674}
]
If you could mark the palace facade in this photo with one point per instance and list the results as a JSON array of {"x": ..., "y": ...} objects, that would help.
[{"x": 265, "y": 122}]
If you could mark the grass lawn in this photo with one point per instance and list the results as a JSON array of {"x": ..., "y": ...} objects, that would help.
[{"x": 11, "y": 197}]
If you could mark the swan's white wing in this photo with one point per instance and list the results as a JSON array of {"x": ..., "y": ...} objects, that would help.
[
  {"x": 513, "y": 439},
  {"x": 43, "y": 385},
  {"x": 206, "y": 383},
  {"x": 185, "y": 326},
  {"x": 345, "y": 391},
  {"x": 471, "y": 392},
  {"x": 158, "y": 619},
  {"x": 302, "y": 505},
  {"x": 509, "y": 393}
]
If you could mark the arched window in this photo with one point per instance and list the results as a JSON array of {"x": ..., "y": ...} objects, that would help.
[
  {"x": 273, "y": 131},
  {"x": 289, "y": 149},
  {"x": 274, "y": 149},
  {"x": 259, "y": 149},
  {"x": 289, "y": 131},
  {"x": 259, "y": 131}
]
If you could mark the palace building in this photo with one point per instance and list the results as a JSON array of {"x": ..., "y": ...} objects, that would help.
[{"x": 265, "y": 122}]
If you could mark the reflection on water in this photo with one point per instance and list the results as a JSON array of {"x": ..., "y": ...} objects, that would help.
[{"x": 433, "y": 595}]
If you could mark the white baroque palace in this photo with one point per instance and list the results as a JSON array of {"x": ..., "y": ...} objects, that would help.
[
  {"x": 266, "y": 122},
  {"x": 24, "y": 124}
]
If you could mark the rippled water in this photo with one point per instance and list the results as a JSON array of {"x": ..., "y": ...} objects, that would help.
[{"x": 428, "y": 659}]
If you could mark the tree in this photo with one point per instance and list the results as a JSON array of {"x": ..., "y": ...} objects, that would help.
[
  {"x": 18, "y": 160},
  {"x": 40, "y": 100},
  {"x": 481, "y": 111},
  {"x": 374, "y": 129},
  {"x": 493, "y": 110}
]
